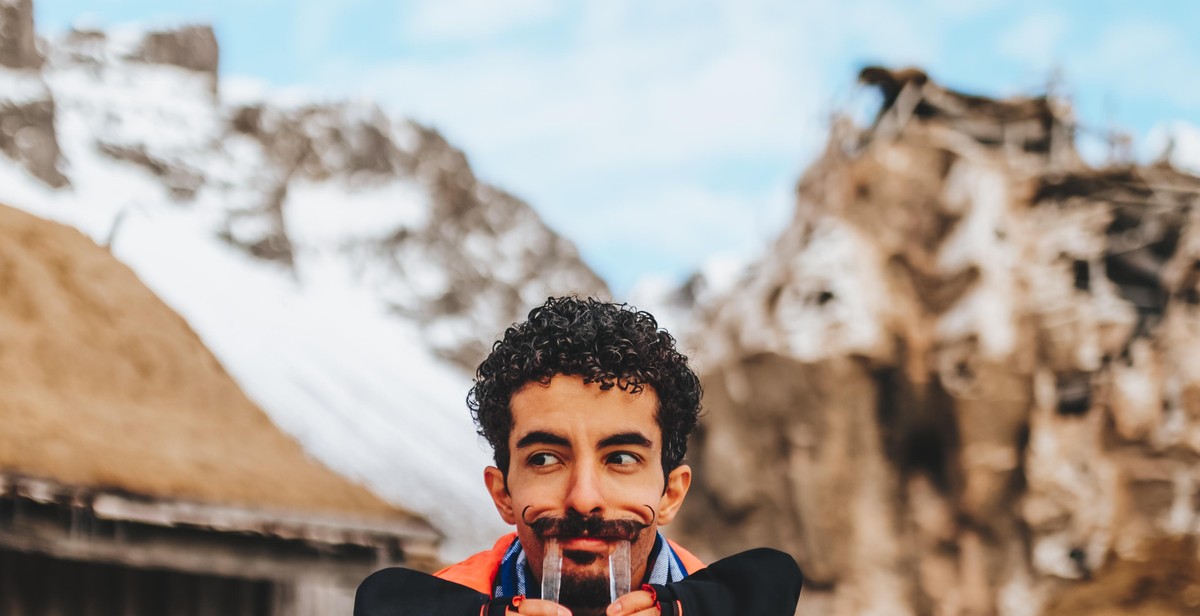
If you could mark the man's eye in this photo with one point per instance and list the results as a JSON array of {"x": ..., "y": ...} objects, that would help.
[
  {"x": 543, "y": 459},
  {"x": 623, "y": 458}
]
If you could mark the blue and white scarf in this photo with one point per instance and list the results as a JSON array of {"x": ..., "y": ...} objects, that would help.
[{"x": 512, "y": 579}]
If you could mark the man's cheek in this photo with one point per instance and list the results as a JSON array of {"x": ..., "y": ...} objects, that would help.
[
  {"x": 534, "y": 501},
  {"x": 537, "y": 494}
]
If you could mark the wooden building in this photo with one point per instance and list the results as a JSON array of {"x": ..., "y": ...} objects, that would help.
[{"x": 136, "y": 478}]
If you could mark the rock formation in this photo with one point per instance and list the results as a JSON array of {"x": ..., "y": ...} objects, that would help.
[
  {"x": 963, "y": 381},
  {"x": 191, "y": 47},
  {"x": 26, "y": 107},
  {"x": 27, "y": 126},
  {"x": 491, "y": 255},
  {"x": 18, "y": 40}
]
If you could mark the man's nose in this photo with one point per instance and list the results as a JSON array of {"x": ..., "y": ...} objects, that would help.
[{"x": 584, "y": 493}]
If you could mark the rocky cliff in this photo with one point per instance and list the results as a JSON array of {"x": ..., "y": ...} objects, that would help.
[{"x": 964, "y": 380}]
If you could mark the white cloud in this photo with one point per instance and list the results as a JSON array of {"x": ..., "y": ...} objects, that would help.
[
  {"x": 669, "y": 99},
  {"x": 315, "y": 20},
  {"x": 1146, "y": 59},
  {"x": 462, "y": 20},
  {"x": 962, "y": 9},
  {"x": 1036, "y": 40},
  {"x": 896, "y": 33},
  {"x": 740, "y": 219},
  {"x": 1183, "y": 139},
  {"x": 648, "y": 95},
  {"x": 679, "y": 227}
]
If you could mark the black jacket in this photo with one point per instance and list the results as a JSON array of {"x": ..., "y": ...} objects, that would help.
[{"x": 760, "y": 582}]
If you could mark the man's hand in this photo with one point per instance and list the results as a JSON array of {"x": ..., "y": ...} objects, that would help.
[
  {"x": 636, "y": 603},
  {"x": 539, "y": 607}
]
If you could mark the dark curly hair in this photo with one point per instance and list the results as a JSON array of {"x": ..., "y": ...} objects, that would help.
[{"x": 606, "y": 343}]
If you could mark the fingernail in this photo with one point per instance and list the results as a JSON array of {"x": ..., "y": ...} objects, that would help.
[{"x": 562, "y": 611}]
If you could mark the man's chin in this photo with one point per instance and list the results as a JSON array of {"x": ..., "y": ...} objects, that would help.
[{"x": 585, "y": 591}]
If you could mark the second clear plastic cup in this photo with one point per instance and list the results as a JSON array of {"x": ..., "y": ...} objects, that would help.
[
  {"x": 618, "y": 571},
  {"x": 551, "y": 571}
]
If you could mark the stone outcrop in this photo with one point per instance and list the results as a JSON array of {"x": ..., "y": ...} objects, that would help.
[
  {"x": 18, "y": 39},
  {"x": 27, "y": 109},
  {"x": 191, "y": 47},
  {"x": 27, "y": 134},
  {"x": 491, "y": 255},
  {"x": 963, "y": 381}
]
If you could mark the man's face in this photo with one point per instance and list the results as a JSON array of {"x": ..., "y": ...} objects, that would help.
[{"x": 576, "y": 450}]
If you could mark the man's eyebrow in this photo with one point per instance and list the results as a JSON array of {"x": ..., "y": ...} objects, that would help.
[
  {"x": 539, "y": 437},
  {"x": 626, "y": 438}
]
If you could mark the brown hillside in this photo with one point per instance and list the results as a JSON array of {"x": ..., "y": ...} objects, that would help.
[{"x": 103, "y": 385}]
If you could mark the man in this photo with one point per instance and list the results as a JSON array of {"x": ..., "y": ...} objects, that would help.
[{"x": 587, "y": 406}]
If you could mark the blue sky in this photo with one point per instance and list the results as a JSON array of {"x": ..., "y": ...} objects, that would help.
[{"x": 659, "y": 134}]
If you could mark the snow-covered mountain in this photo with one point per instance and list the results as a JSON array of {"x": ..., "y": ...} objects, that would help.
[{"x": 346, "y": 266}]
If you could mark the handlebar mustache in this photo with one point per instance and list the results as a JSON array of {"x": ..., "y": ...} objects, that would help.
[{"x": 574, "y": 524}]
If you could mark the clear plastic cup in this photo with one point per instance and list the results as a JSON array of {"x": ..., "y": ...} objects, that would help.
[
  {"x": 552, "y": 571},
  {"x": 619, "y": 571}
]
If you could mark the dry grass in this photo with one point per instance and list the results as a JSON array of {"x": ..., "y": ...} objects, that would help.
[{"x": 103, "y": 385}]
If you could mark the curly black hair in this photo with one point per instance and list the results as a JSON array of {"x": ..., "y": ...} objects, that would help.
[{"x": 603, "y": 342}]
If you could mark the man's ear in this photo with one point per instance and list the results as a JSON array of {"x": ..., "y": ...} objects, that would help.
[
  {"x": 493, "y": 478},
  {"x": 678, "y": 482}
]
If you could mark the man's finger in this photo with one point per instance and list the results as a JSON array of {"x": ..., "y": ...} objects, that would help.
[
  {"x": 540, "y": 607},
  {"x": 633, "y": 603}
]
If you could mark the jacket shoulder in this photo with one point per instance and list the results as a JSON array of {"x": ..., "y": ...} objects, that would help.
[
  {"x": 689, "y": 560},
  {"x": 479, "y": 571}
]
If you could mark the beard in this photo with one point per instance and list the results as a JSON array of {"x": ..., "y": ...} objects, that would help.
[{"x": 585, "y": 593}]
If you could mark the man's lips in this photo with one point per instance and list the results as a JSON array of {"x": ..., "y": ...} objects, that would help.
[{"x": 587, "y": 544}]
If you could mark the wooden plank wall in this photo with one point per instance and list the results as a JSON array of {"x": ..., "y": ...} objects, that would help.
[
  {"x": 36, "y": 585},
  {"x": 314, "y": 597}
]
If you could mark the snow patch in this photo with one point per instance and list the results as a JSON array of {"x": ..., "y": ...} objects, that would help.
[
  {"x": 329, "y": 214},
  {"x": 21, "y": 87}
]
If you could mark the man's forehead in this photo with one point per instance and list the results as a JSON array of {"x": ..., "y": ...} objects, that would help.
[
  {"x": 568, "y": 427},
  {"x": 569, "y": 409}
]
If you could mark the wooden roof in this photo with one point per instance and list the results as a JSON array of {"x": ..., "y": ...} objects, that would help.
[{"x": 104, "y": 386}]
